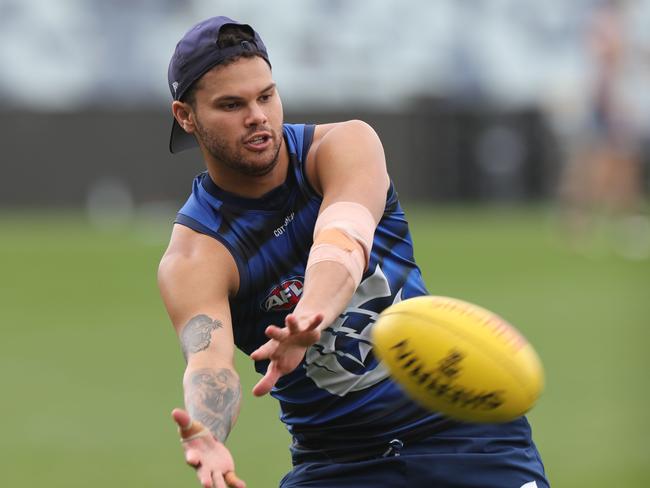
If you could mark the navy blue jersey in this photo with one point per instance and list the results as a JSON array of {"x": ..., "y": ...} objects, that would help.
[{"x": 339, "y": 391}]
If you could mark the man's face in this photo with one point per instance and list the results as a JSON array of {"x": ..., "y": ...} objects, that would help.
[{"x": 238, "y": 116}]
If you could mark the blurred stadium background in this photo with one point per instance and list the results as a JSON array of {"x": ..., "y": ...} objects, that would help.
[{"x": 517, "y": 133}]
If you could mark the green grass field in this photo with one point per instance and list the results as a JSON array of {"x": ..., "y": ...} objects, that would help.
[{"x": 90, "y": 368}]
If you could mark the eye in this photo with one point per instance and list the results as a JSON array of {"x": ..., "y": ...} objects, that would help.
[
  {"x": 230, "y": 106},
  {"x": 266, "y": 98}
]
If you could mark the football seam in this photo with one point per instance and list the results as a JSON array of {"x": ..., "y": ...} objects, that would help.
[{"x": 495, "y": 357}]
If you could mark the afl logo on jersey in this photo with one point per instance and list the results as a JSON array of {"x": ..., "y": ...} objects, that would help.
[{"x": 285, "y": 296}]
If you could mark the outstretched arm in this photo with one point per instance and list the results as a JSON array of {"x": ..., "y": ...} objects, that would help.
[
  {"x": 347, "y": 165},
  {"x": 195, "y": 277}
]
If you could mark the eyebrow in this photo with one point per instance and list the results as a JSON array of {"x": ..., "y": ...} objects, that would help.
[{"x": 225, "y": 98}]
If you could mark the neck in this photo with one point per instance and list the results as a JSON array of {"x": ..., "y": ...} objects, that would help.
[{"x": 250, "y": 186}]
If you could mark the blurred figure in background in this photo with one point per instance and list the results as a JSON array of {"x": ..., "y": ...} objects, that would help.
[{"x": 603, "y": 179}]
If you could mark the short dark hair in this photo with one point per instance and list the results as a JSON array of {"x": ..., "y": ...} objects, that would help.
[{"x": 229, "y": 35}]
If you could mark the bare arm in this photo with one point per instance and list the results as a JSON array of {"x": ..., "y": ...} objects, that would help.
[
  {"x": 212, "y": 394},
  {"x": 346, "y": 164},
  {"x": 195, "y": 277}
]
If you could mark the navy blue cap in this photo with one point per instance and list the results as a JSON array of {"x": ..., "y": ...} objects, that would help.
[{"x": 195, "y": 54}]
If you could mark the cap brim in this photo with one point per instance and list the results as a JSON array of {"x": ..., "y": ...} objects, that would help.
[{"x": 179, "y": 140}]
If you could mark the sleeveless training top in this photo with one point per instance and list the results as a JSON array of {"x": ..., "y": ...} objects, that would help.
[{"x": 339, "y": 392}]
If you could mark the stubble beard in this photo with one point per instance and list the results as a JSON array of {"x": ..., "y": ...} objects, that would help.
[{"x": 235, "y": 159}]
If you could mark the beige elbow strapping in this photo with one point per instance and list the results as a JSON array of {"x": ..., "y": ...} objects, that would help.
[{"x": 343, "y": 233}]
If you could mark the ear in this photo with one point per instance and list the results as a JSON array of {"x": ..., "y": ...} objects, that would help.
[{"x": 184, "y": 115}]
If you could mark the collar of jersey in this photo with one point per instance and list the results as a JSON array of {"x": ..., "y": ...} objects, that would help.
[{"x": 275, "y": 199}]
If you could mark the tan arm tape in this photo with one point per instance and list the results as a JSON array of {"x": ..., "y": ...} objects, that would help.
[
  {"x": 353, "y": 219},
  {"x": 343, "y": 234}
]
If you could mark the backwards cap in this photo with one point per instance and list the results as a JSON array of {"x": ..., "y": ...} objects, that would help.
[{"x": 195, "y": 54}]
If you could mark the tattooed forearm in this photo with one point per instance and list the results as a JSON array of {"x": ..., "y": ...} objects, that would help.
[
  {"x": 197, "y": 334},
  {"x": 212, "y": 397}
]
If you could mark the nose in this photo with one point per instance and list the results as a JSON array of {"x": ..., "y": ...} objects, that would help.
[{"x": 256, "y": 115}]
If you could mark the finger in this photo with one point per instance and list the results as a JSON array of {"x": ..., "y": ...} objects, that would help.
[
  {"x": 265, "y": 385},
  {"x": 217, "y": 481},
  {"x": 233, "y": 481},
  {"x": 181, "y": 417},
  {"x": 277, "y": 333},
  {"x": 186, "y": 426},
  {"x": 292, "y": 323},
  {"x": 315, "y": 321},
  {"x": 264, "y": 351},
  {"x": 189, "y": 429},
  {"x": 205, "y": 478}
]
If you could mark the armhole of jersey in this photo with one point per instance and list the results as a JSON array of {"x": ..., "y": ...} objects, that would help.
[
  {"x": 307, "y": 139},
  {"x": 197, "y": 226},
  {"x": 391, "y": 198}
]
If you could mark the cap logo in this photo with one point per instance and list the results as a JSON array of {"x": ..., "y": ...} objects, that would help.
[{"x": 175, "y": 86}]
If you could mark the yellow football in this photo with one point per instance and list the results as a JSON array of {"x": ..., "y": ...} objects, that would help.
[{"x": 459, "y": 359}]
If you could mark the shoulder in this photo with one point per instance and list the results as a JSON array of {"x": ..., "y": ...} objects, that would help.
[
  {"x": 350, "y": 127},
  {"x": 192, "y": 259},
  {"x": 331, "y": 140}
]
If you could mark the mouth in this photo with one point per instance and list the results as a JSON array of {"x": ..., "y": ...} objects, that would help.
[{"x": 258, "y": 141}]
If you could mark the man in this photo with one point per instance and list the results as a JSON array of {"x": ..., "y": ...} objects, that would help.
[{"x": 289, "y": 246}]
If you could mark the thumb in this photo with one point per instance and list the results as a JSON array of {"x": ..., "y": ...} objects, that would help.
[
  {"x": 182, "y": 418},
  {"x": 186, "y": 426}
]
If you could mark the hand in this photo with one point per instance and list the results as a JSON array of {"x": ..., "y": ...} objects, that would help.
[
  {"x": 213, "y": 462},
  {"x": 286, "y": 348}
]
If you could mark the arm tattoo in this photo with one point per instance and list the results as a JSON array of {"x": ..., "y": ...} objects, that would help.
[
  {"x": 212, "y": 397},
  {"x": 197, "y": 334}
]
